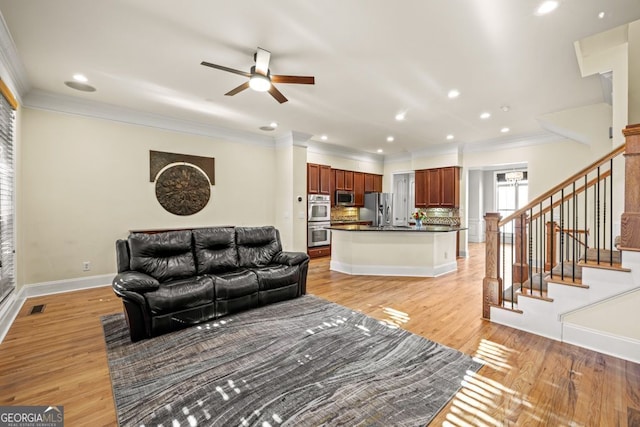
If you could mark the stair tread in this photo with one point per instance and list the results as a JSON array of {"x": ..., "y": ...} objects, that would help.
[{"x": 604, "y": 264}]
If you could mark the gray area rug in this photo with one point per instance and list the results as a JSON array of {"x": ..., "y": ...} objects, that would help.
[{"x": 303, "y": 362}]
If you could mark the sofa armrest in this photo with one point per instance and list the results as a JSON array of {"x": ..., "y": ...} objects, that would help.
[
  {"x": 134, "y": 281},
  {"x": 290, "y": 258}
]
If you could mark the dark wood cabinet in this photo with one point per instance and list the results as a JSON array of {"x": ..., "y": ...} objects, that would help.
[
  {"x": 377, "y": 183},
  {"x": 358, "y": 189},
  {"x": 348, "y": 180},
  {"x": 434, "y": 188},
  {"x": 313, "y": 178},
  {"x": 332, "y": 186},
  {"x": 438, "y": 187},
  {"x": 319, "y": 251},
  {"x": 325, "y": 179},
  {"x": 368, "y": 183},
  {"x": 339, "y": 179},
  {"x": 318, "y": 179},
  {"x": 450, "y": 187}
]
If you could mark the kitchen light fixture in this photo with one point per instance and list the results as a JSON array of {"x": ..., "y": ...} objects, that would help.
[
  {"x": 80, "y": 78},
  {"x": 259, "y": 83},
  {"x": 485, "y": 115},
  {"x": 273, "y": 125},
  {"x": 505, "y": 130},
  {"x": 514, "y": 176},
  {"x": 505, "y": 108},
  {"x": 453, "y": 93},
  {"x": 401, "y": 116},
  {"x": 324, "y": 137},
  {"x": 379, "y": 150},
  {"x": 546, "y": 7},
  {"x": 390, "y": 139},
  {"x": 601, "y": 15},
  {"x": 449, "y": 137}
]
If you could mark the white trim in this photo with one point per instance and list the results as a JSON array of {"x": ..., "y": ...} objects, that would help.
[
  {"x": 343, "y": 152},
  {"x": 603, "y": 342},
  {"x": 67, "y": 285},
  {"x": 9, "y": 311},
  {"x": 10, "y": 59},
  {"x": 47, "y": 101},
  {"x": 392, "y": 270},
  {"x": 561, "y": 316}
]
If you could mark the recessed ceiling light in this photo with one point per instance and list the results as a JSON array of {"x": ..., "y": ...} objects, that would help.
[
  {"x": 453, "y": 93},
  {"x": 80, "y": 78},
  {"x": 601, "y": 15},
  {"x": 379, "y": 150},
  {"x": 80, "y": 86},
  {"x": 390, "y": 139},
  {"x": 324, "y": 137},
  {"x": 401, "y": 116},
  {"x": 267, "y": 128},
  {"x": 505, "y": 130},
  {"x": 450, "y": 137},
  {"x": 505, "y": 108},
  {"x": 273, "y": 125},
  {"x": 485, "y": 115},
  {"x": 547, "y": 7}
]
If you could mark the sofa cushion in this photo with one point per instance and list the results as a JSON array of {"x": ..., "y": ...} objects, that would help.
[
  {"x": 181, "y": 294},
  {"x": 235, "y": 284},
  {"x": 257, "y": 245},
  {"x": 273, "y": 277},
  {"x": 164, "y": 256},
  {"x": 215, "y": 249}
]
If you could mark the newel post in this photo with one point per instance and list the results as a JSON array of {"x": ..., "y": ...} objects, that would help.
[
  {"x": 492, "y": 283},
  {"x": 630, "y": 234}
]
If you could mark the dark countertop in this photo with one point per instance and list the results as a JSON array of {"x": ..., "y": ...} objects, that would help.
[
  {"x": 424, "y": 228},
  {"x": 354, "y": 222}
]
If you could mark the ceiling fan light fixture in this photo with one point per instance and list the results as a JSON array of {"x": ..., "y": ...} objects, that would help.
[{"x": 259, "y": 83}]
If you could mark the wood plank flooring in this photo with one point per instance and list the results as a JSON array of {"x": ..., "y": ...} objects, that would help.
[{"x": 58, "y": 357}]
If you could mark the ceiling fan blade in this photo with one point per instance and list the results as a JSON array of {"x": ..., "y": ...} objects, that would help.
[
  {"x": 301, "y": 80},
  {"x": 239, "y": 89},
  {"x": 262, "y": 61},
  {"x": 277, "y": 94},
  {"x": 220, "y": 67}
]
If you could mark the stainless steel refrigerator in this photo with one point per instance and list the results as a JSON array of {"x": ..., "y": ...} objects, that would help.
[{"x": 378, "y": 208}]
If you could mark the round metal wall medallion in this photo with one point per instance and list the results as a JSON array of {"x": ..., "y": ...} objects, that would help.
[{"x": 182, "y": 189}]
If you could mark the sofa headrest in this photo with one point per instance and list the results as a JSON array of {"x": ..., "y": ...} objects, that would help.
[
  {"x": 257, "y": 245},
  {"x": 164, "y": 256},
  {"x": 215, "y": 249}
]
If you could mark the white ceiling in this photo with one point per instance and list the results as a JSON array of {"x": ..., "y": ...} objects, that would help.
[{"x": 371, "y": 59}]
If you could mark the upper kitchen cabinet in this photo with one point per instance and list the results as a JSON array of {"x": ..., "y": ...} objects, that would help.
[
  {"x": 344, "y": 180},
  {"x": 377, "y": 183},
  {"x": 358, "y": 189},
  {"x": 318, "y": 179},
  {"x": 438, "y": 187},
  {"x": 450, "y": 197}
]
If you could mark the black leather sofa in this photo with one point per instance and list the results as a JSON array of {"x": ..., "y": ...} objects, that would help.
[{"x": 174, "y": 279}]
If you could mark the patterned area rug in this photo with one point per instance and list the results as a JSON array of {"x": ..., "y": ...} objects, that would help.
[{"x": 303, "y": 362}]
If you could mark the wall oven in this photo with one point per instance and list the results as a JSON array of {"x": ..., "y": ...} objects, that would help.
[
  {"x": 319, "y": 207},
  {"x": 317, "y": 234}
]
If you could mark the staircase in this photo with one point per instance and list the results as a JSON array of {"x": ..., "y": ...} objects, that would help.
[{"x": 554, "y": 267}]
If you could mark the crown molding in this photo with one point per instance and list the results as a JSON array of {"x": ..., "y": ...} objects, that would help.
[
  {"x": 517, "y": 141},
  {"x": 41, "y": 100},
  {"x": 10, "y": 61},
  {"x": 344, "y": 152}
]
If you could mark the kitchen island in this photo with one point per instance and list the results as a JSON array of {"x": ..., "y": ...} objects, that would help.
[{"x": 394, "y": 250}]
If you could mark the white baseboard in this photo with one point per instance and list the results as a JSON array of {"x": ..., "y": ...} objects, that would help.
[
  {"x": 390, "y": 270},
  {"x": 602, "y": 342},
  {"x": 12, "y": 306}
]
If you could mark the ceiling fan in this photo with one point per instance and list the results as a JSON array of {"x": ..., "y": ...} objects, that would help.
[{"x": 260, "y": 78}]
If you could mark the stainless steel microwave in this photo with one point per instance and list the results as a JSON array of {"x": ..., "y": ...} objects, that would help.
[{"x": 345, "y": 198}]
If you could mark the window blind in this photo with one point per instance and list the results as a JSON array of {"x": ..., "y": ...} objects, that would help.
[{"x": 7, "y": 248}]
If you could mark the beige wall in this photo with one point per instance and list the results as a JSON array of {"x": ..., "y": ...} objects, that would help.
[{"x": 83, "y": 183}]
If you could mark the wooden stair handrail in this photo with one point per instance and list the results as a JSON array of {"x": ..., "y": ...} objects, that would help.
[
  {"x": 594, "y": 181},
  {"x": 616, "y": 152}
]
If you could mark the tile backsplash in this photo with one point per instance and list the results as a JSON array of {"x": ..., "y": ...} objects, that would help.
[
  {"x": 341, "y": 213},
  {"x": 442, "y": 216}
]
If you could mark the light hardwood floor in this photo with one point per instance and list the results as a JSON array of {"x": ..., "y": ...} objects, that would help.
[{"x": 58, "y": 357}]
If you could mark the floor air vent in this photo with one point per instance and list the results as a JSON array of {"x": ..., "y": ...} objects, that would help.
[{"x": 37, "y": 309}]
